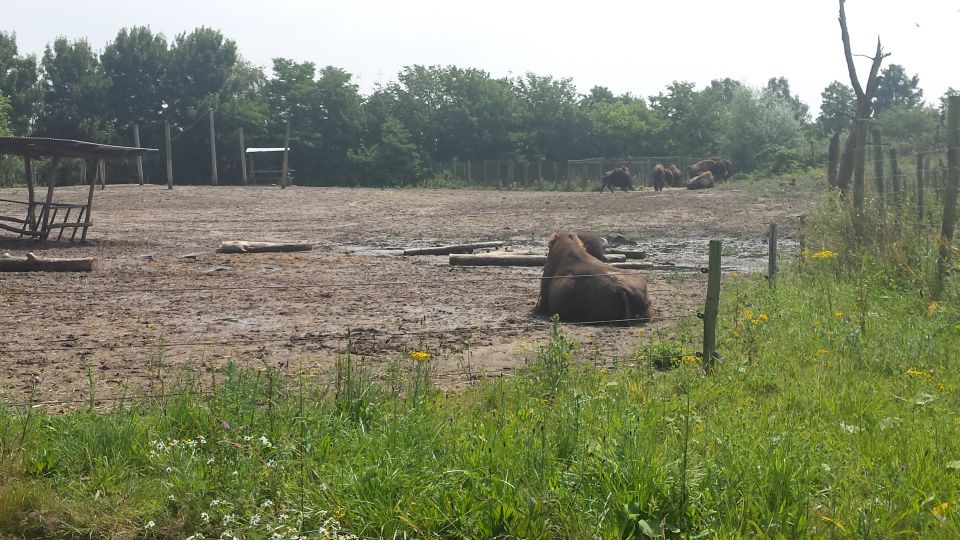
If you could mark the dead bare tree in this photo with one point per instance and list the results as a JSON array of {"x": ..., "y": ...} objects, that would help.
[{"x": 858, "y": 127}]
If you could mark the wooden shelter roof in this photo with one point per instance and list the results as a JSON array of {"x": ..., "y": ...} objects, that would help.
[{"x": 46, "y": 147}]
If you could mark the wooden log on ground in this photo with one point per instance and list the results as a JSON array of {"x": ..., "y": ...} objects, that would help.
[
  {"x": 651, "y": 266},
  {"x": 32, "y": 263},
  {"x": 243, "y": 246},
  {"x": 453, "y": 248},
  {"x": 505, "y": 258},
  {"x": 628, "y": 253}
]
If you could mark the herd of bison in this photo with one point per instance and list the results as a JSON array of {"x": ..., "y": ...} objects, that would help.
[{"x": 701, "y": 175}]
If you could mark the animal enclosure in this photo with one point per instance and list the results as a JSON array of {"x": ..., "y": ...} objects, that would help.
[{"x": 162, "y": 297}]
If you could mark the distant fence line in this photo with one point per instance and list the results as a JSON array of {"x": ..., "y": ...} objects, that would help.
[{"x": 571, "y": 172}]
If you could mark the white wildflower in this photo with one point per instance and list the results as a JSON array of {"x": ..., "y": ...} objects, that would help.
[
  {"x": 150, "y": 524},
  {"x": 255, "y": 519},
  {"x": 265, "y": 441},
  {"x": 205, "y": 517},
  {"x": 266, "y": 504}
]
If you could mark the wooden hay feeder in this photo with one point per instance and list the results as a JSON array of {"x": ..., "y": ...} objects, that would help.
[{"x": 38, "y": 219}]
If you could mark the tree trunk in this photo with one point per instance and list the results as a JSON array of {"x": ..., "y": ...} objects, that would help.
[{"x": 833, "y": 156}]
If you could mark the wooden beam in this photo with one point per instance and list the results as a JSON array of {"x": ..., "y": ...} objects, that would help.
[
  {"x": 213, "y": 152},
  {"x": 243, "y": 246},
  {"x": 32, "y": 263},
  {"x": 45, "y": 213},
  {"x": 453, "y": 248},
  {"x": 506, "y": 258},
  {"x": 286, "y": 162},
  {"x": 243, "y": 159},
  {"x": 136, "y": 142}
]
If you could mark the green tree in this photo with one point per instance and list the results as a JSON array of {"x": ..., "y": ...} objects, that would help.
[
  {"x": 912, "y": 129},
  {"x": 5, "y": 124},
  {"x": 780, "y": 87},
  {"x": 200, "y": 64},
  {"x": 552, "y": 124},
  {"x": 137, "y": 62},
  {"x": 897, "y": 89},
  {"x": 453, "y": 112},
  {"x": 325, "y": 117},
  {"x": 19, "y": 82},
  {"x": 623, "y": 128},
  {"x": 695, "y": 120},
  {"x": 836, "y": 108},
  {"x": 763, "y": 131},
  {"x": 75, "y": 93},
  {"x": 393, "y": 159}
]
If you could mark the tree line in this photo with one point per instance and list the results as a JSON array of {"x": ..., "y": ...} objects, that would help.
[{"x": 427, "y": 114}]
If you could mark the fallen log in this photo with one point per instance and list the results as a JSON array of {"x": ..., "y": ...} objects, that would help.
[
  {"x": 629, "y": 253},
  {"x": 651, "y": 266},
  {"x": 504, "y": 258},
  {"x": 32, "y": 263},
  {"x": 453, "y": 248},
  {"x": 243, "y": 246}
]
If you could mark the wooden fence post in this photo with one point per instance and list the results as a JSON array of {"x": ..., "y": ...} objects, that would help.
[
  {"x": 286, "y": 151},
  {"x": 895, "y": 181},
  {"x": 243, "y": 159},
  {"x": 136, "y": 142},
  {"x": 878, "y": 173},
  {"x": 166, "y": 144},
  {"x": 102, "y": 164},
  {"x": 213, "y": 152},
  {"x": 772, "y": 253},
  {"x": 950, "y": 190},
  {"x": 920, "y": 188},
  {"x": 712, "y": 307}
]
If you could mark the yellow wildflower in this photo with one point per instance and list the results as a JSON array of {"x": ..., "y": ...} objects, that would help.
[
  {"x": 748, "y": 313},
  {"x": 823, "y": 255},
  {"x": 762, "y": 317},
  {"x": 816, "y": 322},
  {"x": 419, "y": 356},
  {"x": 838, "y": 314},
  {"x": 755, "y": 321},
  {"x": 689, "y": 359},
  {"x": 932, "y": 308},
  {"x": 940, "y": 510},
  {"x": 640, "y": 331},
  {"x": 822, "y": 351},
  {"x": 915, "y": 373}
]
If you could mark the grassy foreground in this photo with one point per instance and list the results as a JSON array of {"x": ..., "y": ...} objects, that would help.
[{"x": 833, "y": 413}]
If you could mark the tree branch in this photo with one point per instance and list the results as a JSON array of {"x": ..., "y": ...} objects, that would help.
[{"x": 845, "y": 36}]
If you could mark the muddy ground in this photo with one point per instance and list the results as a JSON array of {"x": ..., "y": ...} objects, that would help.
[{"x": 163, "y": 298}]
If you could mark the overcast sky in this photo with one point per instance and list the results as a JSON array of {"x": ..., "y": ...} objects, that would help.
[{"x": 628, "y": 46}]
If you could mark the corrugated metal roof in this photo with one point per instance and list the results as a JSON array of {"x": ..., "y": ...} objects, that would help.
[{"x": 50, "y": 147}]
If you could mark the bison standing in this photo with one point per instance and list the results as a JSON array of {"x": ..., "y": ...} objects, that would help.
[
  {"x": 619, "y": 177},
  {"x": 659, "y": 175}
]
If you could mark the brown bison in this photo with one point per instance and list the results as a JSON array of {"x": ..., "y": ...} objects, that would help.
[
  {"x": 578, "y": 287},
  {"x": 677, "y": 175},
  {"x": 702, "y": 181},
  {"x": 660, "y": 176},
  {"x": 720, "y": 168},
  {"x": 619, "y": 177}
]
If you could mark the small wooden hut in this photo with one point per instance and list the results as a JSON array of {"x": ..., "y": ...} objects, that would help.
[{"x": 41, "y": 217}]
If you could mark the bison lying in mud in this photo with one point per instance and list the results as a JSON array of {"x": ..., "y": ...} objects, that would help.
[
  {"x": 702, "y": 181},
  {"x": 578, "y": 287},
  {"x": 619, "y": 177}
]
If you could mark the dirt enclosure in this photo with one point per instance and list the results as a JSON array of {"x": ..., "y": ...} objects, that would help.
[{"x": 162, "y": 297}]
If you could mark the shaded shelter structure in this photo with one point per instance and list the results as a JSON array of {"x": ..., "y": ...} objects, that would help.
[
  {"x": 41, "y": 217},
  {"x": 282, "y": 174}
]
